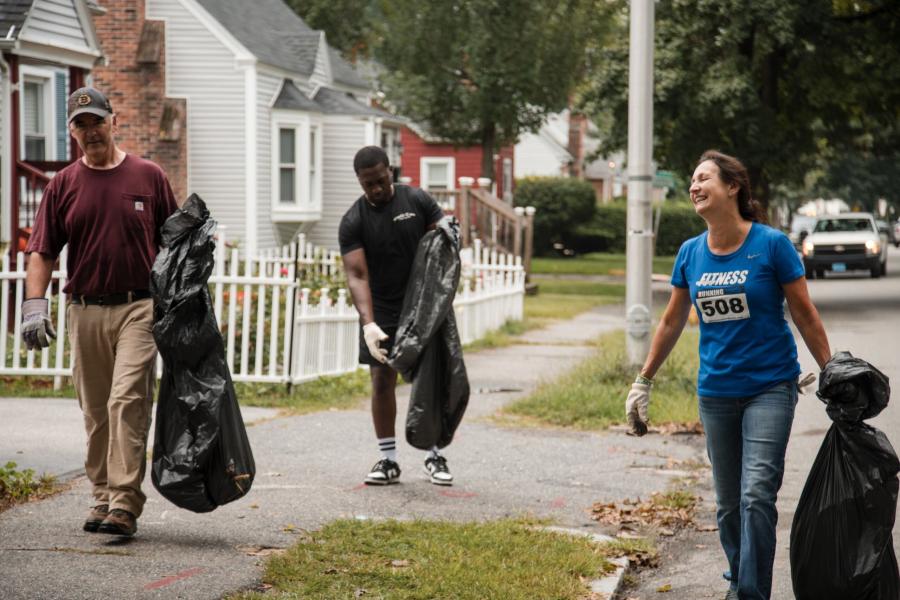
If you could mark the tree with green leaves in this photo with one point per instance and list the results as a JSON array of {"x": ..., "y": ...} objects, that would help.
[
  {"x": 782, "y": 85},
  {"x": 481, "y": 72},
  {"x": 351, "y": 26}
]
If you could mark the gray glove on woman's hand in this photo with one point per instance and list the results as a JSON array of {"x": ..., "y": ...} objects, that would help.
[{"x": 636, "y": 406}]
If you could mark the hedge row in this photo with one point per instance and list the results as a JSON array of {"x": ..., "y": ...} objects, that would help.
[
  {"x": 563, "y": 204},
  {"x": 607, "y": 230},
  {"x": 568, "y": 214}
]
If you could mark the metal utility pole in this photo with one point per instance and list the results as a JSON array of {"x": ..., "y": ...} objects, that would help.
[{"x": 639, "y": 244}]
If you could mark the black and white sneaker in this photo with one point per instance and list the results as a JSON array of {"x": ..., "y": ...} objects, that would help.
[
  {"x": 384, "y": 472},
  {"x": 436, "y": 469}
]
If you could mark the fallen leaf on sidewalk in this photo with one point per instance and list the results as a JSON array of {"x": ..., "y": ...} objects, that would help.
[
  {"x": 706, "y": 527},
  {"x": 671, "y": 510},
  {"x": 666, "y": 532},
  {"x": 664, "y": 588}
]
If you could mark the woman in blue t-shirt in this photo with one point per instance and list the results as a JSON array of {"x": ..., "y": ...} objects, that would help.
[{"x": 738, "y": 274}]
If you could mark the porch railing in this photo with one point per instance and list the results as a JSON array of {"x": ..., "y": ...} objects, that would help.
[
  {"x": 493, "y": 221},
  {"x": 31, "y": 179}
]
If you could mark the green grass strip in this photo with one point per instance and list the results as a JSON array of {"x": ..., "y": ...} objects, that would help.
[
  {"x": 592, "y": 395},
  {"x": 427, "y": 560},
  {"x": 594, "y": 263}
]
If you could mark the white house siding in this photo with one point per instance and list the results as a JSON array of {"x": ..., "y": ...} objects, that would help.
[
  {"x": 321, "y": 74},
  {"x": 55, "y": 23},
  {"x": 343, "y": 136},
  {"x": 267, "y": 86},
  {"x": 202, "y": 69},
  {"x": 535, "y": 157}
]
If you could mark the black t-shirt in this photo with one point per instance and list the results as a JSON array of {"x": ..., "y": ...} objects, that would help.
[{"x": 389, "y": 235}]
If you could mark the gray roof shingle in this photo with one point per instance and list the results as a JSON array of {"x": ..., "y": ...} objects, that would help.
[
  {"x": 344, "y": 72},
  {"x": 292, "y": 98},
  {"x": 12, "y": 16},
  {"x": 341, "y": 103},
  {"x": 277, "y": 35}
]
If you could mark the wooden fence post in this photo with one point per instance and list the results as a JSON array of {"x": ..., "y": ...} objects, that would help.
[
  {"x": 529, "y": 240},
  {"x": 465, "y": 184}
]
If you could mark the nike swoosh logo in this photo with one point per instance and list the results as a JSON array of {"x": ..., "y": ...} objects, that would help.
[{"x": 752, "y": 256}]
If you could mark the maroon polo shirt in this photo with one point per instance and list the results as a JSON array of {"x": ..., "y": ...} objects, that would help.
[{"x": 111, "y": 221}]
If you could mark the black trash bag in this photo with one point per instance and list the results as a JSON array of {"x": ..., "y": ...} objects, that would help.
[
  {"x": 841, "y": 542},
  {"x": 427, "y": 350},
  {"x": 201, "y": 454}
]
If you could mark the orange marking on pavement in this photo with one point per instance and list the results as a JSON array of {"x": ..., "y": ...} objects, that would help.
[
  {"x": 172, "y": 579},
  {"x": 558, "y": 502},
  {"x": 356, "y": 488}
]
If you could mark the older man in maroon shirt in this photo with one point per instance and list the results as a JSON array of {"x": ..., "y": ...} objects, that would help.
[{"x": 108, "y": 207}]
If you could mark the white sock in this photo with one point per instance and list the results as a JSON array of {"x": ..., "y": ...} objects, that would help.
[
  {"x": 388, "y": 448},
  {"x": 434, "y": 452}
]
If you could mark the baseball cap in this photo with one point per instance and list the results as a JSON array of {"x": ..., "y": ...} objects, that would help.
[{"x": 88, "y": 100}]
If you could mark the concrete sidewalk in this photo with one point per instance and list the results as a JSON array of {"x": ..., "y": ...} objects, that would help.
[{"x": 309, "y": 472}]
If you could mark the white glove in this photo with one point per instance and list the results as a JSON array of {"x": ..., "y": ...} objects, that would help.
[
  {"x": 636, "y": 406},
  {"x": 37, "y": 329},
  {"x": 805, "y": 381},
  {"x": 373, "y": 335}
]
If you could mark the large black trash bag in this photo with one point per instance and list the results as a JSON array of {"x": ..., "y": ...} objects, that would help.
[
  {"x": 427, "y": 350},
  {"x": 841, "y": 543},
  {"x": 201, "y": 454}
]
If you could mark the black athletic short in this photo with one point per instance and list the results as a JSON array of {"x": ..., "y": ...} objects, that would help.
[{"x": 364, "y": 357}]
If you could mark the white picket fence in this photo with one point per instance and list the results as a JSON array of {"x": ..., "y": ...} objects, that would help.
[{"x": 275, "y": 326}]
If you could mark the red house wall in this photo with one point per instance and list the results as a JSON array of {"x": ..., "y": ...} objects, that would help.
[{"x": 468, "y": 159}]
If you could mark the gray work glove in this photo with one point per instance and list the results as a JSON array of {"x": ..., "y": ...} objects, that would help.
[
  {"x": 37, "y": 329},
  {"x": 636, "y": 406},
  {"x": 805, "y": 381},
  {"x": 373, "y": 335}
]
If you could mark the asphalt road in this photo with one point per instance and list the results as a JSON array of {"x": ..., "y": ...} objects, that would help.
[{"x": 861, "y": 315}]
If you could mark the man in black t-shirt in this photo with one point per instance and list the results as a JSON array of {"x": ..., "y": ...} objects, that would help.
[{"x": 379, "y": 236}]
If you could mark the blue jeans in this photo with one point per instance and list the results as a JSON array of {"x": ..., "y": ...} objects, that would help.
[{"x": 746, "y": 439}]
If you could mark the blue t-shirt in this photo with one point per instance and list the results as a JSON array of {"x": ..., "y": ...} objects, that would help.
[{"x": 746, "y": 346}]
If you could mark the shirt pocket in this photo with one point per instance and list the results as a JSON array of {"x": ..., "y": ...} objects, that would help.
[{"x": 137, "y": 210}]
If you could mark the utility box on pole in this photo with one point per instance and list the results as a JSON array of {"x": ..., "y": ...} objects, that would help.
[{"x": 639, "y": 241}]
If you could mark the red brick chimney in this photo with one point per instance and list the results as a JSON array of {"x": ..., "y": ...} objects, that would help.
[{"x": 134, "y": 78}]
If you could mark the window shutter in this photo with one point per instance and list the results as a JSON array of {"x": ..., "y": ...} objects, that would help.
[{"x": 62, "y": 137}]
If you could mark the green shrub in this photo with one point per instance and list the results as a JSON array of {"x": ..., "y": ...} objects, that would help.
[
  {"x": 606, "y": 232},
  {"x": 18, "y": 486},
  {"x": 562, "y": 205}
]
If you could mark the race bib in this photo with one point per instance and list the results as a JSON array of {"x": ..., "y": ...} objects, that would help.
[{"x": 727, "y": 307}]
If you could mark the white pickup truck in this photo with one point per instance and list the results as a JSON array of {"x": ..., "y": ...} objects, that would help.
[{"x": 840, "y": 243}]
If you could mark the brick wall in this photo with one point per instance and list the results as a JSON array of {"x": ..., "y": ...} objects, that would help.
[{"x": 150, "y": 124}]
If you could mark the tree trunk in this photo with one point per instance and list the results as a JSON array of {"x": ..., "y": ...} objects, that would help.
[{"x": 488, "y": 137}]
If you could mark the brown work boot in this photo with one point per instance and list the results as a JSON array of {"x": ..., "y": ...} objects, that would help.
[
  {"x": 95, "y": 517},
  {"x": 118, "y": 522}
]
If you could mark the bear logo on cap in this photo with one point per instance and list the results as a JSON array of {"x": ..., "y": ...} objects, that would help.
[{"x": 84, "y": 100}]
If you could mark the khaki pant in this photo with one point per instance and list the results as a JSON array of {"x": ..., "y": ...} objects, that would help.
[{"x": 114, "y": 355}]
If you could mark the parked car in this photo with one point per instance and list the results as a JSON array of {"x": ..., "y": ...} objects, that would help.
[
  {"x": 845, "y": 242},
  {"x": 885, "y": 228}
]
